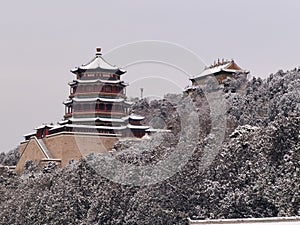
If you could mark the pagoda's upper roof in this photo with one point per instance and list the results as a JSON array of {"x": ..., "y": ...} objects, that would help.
[
  {"x": 220, "y": 66},
  {"x": 98, "y": 64}
]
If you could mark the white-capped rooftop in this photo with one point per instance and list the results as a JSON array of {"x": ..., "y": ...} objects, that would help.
[
  {"x": 137, "y": 127},
  {"x": 89, "y": 127},
  {"x": 226, "y": 66},
  {"x": 134, "y": 117},
  {"x": 44, "y": 126},
  {"x": 116, "y": 100},
  {"x": 98, "y": 63},
  {"x": 97, "y": 81},
  {"x": 154, "y": 130},
  {"x": 113, "y": 120},
  {"x": 129, "y": 126},
  {"x": 29, "y": 134},
  {"x": 112, "y": 100}
]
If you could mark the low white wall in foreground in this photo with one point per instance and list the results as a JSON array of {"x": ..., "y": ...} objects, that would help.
[{"x": 251, "y": 221}]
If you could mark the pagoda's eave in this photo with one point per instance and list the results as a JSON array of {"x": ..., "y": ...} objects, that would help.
[
  {"x": 94, "y": 100},
  {"x": 134, "y": 117},
  {"x": 95, "y": 119},
  {"x": 97, "y": 95},
  {"x": 29, "y": 134},
  {"x": 89, "y": 127},
  {"x": 74, "y": 82},
  {"x": 68, "y": 102},
  {"x": 110, "y": 100},
  {"x": 44, "y": 126},
  {"x": 137, "y": 127},
  {"x": 88, "y": 114},
  {"x": 78, "y": 71},
  {"x": 78, "y": 126}
]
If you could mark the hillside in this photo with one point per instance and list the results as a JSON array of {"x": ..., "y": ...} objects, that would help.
[
  {"x": 10, "y": 158},
  {"x": 255, "y": 172}
]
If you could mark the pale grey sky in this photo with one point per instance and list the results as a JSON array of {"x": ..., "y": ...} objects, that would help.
[{"x": 42, "y": 40}]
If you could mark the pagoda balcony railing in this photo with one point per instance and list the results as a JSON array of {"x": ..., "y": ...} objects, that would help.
[
  {"x": 120, "y": 94},
  {"x": 95, "y": 112}
]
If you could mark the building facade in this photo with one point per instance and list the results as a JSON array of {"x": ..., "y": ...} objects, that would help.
[
  {"x": 220, "y": 70},
  {"x": 96, "y": 116}
]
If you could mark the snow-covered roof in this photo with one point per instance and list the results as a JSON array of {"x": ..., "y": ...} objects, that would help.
[
  {"x": 221, "y": 66},
  {"x": 128, "y": 103},
  {"x": 97, "y": 119},
  {"x": 72, "y": 82},
  {"x": 153, "y": 130},
  {"x": 63, "y": 122},
  {"x": 116, "y": 100},
  {"x": 98, "y": 63},
  {"x": 96, "y": 127},
  {"x": 69, "y": 101},
  {"x": 90, "y": 127},
  {"x": 129, "y": 126},
  {"x": 44, "y": 126},
  {"x": 29, "y": 134},
  {"x": 136, "y": 117},
  {"x": 57, "y": 127},
  {"x": 137, "y": 127},
  {"x": 113, "y": 100},
  {"x": 97, "y": 81},
  {"x": 133, "y": 117},
  {"x": 190, "y": 88},
  {"x": 213, "y": 70}
]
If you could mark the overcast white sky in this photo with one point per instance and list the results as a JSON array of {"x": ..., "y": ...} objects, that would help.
[{"x": 42, "y": 40}]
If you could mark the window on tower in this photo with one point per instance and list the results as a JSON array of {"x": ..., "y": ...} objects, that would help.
[
  {"x": 117, "y": 108},
  {"x": 108, "y": 107},
  {"x": 89, "y": 88},
  {"x": 86, "y": 106},
  {"x": 101, "y": 106},
  {"x": 108, "y": 88}
]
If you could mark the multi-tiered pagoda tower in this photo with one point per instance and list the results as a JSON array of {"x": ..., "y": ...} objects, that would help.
[
  {"x": 97, "y": 101},
  {"x": 96, "y": 115},
  {"x": 97, "y": 96}
]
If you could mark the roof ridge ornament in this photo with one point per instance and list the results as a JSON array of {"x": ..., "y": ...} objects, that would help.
[{"x": 98, "y": 51}]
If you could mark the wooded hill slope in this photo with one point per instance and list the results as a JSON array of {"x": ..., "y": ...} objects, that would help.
[{"x": 256, "y": 172}]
